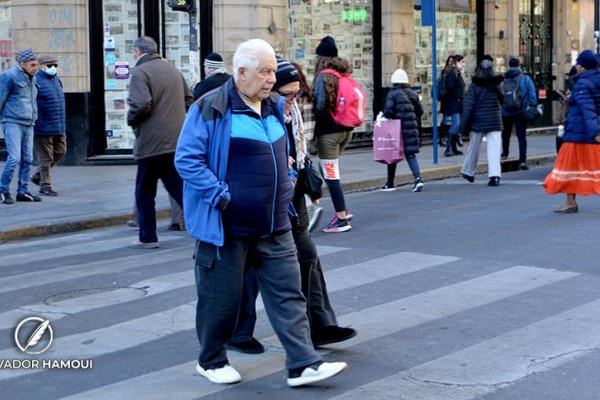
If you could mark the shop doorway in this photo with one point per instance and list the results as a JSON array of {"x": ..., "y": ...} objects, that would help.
[
  {"x": 535, "y": 49},
  {"x": 116, "y": 24}
]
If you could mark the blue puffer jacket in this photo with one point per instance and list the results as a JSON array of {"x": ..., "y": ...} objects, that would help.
[
  {"x": 202, "y": 160},
  {"x": 527, "y": 90},
  {"x": 17, "y": 97},
  {"x": 583, "y": 116},
  {"x": 483, "y": 105},
  {"x": 52, "y": 116}
]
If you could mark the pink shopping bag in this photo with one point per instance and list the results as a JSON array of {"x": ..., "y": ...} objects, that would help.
[{"x": 388, "y": 147}]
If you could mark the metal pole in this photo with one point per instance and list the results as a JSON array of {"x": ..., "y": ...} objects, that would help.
[
  {"x": 434, "y": 90},
  {"x": 194, "y": 64}
]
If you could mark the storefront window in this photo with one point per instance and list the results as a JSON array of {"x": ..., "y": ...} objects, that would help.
[
  {"x": 6, "y": 56},
  {"x": 120, "y": 31},
  {"x": 456, "y": 33},
  {"x": 349, "y": 23}
]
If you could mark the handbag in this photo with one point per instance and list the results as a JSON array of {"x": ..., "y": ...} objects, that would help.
[
  {"x": 533, "y": 113},
  {"x": 388, "y": 146},
  {"x": 310, "y": 180}
]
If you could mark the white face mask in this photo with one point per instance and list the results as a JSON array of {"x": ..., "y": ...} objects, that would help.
[{"x": 51, "y": 71}]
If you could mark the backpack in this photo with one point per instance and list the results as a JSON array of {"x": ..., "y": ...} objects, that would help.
[
  {"x": 351, "y": 101},
  {"x": 513, "y": 94},
  {"x": 441, "y": 87}
]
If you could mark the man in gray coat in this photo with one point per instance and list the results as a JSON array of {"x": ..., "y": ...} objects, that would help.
[{"x": 158, "y": 99}]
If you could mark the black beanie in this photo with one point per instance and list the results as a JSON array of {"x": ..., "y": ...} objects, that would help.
[
  {"x": 327, "y": 47},
  {"x": 286, "y": 73}
]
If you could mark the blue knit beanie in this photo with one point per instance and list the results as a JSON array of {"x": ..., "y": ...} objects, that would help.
[{"x": 587, "y": 59}]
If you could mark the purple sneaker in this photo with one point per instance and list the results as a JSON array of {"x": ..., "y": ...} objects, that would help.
[{"x": 338, "y": 225}]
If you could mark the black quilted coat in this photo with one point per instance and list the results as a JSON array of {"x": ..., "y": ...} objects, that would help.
[{"x": 399, "y": 106}]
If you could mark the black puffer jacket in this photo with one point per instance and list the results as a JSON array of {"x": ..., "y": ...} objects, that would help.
[
  {"x": 398, "y": 106},
  {"x": 483, "y": 105},
  {"x": 455, "y": 93}
]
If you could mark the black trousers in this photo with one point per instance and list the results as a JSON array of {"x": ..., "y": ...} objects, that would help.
[{"x": 149, "y": 171}]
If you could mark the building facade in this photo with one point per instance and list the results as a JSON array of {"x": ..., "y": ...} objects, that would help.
[{"x": 93, "y": 41}]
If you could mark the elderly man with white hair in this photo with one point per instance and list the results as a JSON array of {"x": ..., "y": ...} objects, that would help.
[{"x": 233, "y": 157}]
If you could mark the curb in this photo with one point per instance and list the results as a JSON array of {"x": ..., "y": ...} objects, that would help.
[{"x": 429, "y": 174}]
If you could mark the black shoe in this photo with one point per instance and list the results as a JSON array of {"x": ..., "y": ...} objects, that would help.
[
  {"x": 459, "y": 141},
  {"x": 448, "y": 152},
  {"x": 331, "y": 334},
  {"x": 177, "y": 227},
  {"x": 418, "y": 185},
  {"x": 523, "y": 166},
  {"x": 35, "y": 179},
  {"x": 28, "y": 197},
  {"x": 6, "y": 198},
  {"x": 251, "y": 346},
  {"x": 494, "y": 181},
  {"x": 470, "y": 178},
  {"x": 503, "y": 157},
  {"x": 457, "y": 153},
  {"x": 48, "y": 191}
]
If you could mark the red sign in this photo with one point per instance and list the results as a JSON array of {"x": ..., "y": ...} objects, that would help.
[
  {"x": 6, "y": 48},
  {"x": 523, "y": 48},
  {"x": 541, "y": 93}
]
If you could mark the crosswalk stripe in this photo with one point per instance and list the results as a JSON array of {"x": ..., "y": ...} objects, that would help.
[
  {"x": 31, "y": 279},
  {"x": 71, "y": 250},
  {"x": 499, "y": 362},
  {"x": 145, "y": 289},
  {"x": 389, "y": 317}
]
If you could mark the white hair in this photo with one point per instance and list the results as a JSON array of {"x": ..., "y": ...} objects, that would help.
[{"x": 247, "y": 55}]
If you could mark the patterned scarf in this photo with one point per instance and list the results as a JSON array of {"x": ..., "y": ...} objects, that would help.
[{"x": 299, "y": 134}]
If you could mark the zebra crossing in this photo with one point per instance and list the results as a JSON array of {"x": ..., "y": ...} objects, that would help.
[{"x": 140, "y": 332}]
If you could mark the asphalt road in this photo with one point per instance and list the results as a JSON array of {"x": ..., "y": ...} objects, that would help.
[{"x": 462, "y": 291}]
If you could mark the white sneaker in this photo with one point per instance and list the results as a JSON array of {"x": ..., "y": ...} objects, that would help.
[
  {"x": 314, "y": 215},
  {"x": 311, "y": 375},
  {"x": 136, "y": 244},
  {"x": 225, "y": 374}
]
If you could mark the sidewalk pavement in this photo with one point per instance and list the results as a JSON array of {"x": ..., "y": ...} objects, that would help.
[{"x": 97, "y": 196}]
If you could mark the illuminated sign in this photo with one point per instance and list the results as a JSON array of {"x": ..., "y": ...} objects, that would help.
[{"x": 354, "y": 15}]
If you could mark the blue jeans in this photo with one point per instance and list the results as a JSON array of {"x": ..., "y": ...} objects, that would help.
[
  {"x": 19, "y": 144},
  {"x": 219, "y": 284},
  {"x": 455, "y": 125}
]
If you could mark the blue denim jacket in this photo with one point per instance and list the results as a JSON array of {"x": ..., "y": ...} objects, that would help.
[{"x": 18, "y": 96}]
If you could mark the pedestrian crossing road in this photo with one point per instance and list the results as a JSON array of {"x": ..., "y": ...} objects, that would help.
[{"x": 431, "y": 326}]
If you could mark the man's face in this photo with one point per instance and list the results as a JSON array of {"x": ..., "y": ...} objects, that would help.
[
  {"x": 136, "y": 53},
  {"x": 30, "y": 67},
  {"x": 257, "y": 83}
]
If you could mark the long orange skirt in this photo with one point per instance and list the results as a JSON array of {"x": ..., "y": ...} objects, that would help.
[{"x": 577, "y": 170}]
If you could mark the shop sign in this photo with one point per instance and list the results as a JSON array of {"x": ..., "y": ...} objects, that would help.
[
  {"x": 121, "y": 70},
  {"x": 354, "y": 15},
  {"x": 523, "y": 48},
  {"x": 542, "y": 94},
  {"x": 6, "y": 48}
]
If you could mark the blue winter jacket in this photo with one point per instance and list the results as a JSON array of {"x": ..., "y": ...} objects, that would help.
[
  {"x": 583, "y": 115},
  {"x": 52, "y": 116},
  {"x": 248, "y": 195},
  {"x": 527, "y": 91},
  {"x": 18, "y": 92}
]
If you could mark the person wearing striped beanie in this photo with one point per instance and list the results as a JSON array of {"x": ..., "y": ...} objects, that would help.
[{"x": 215, "y": 75}]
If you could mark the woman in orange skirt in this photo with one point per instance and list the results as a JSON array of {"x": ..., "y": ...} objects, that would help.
[{"x": 577, "y": 167}]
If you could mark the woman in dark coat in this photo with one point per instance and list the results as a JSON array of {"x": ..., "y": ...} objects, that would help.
[
  {"x": 403, "y": 104},
  {"x": 453, "y": 102},
  {"x": 483, "y": 116},
  {"x": 578, "y": 161}
]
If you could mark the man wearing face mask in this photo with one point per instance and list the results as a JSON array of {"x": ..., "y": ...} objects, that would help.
[
  {"x": 18, "y": 113},
  {"x": 49, "y": 141}
]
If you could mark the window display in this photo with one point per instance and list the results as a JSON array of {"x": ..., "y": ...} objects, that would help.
[
  {"x": 350, "y": 24},
  {"x": 456, "y": 34},
  {"x": 120, "y": 31}
]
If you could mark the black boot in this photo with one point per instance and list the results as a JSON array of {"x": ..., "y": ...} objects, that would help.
[
  {"x": 442, "y": 132},
  {"x": 449, "y": 152},
  {"x": 454, "y": 143}
]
